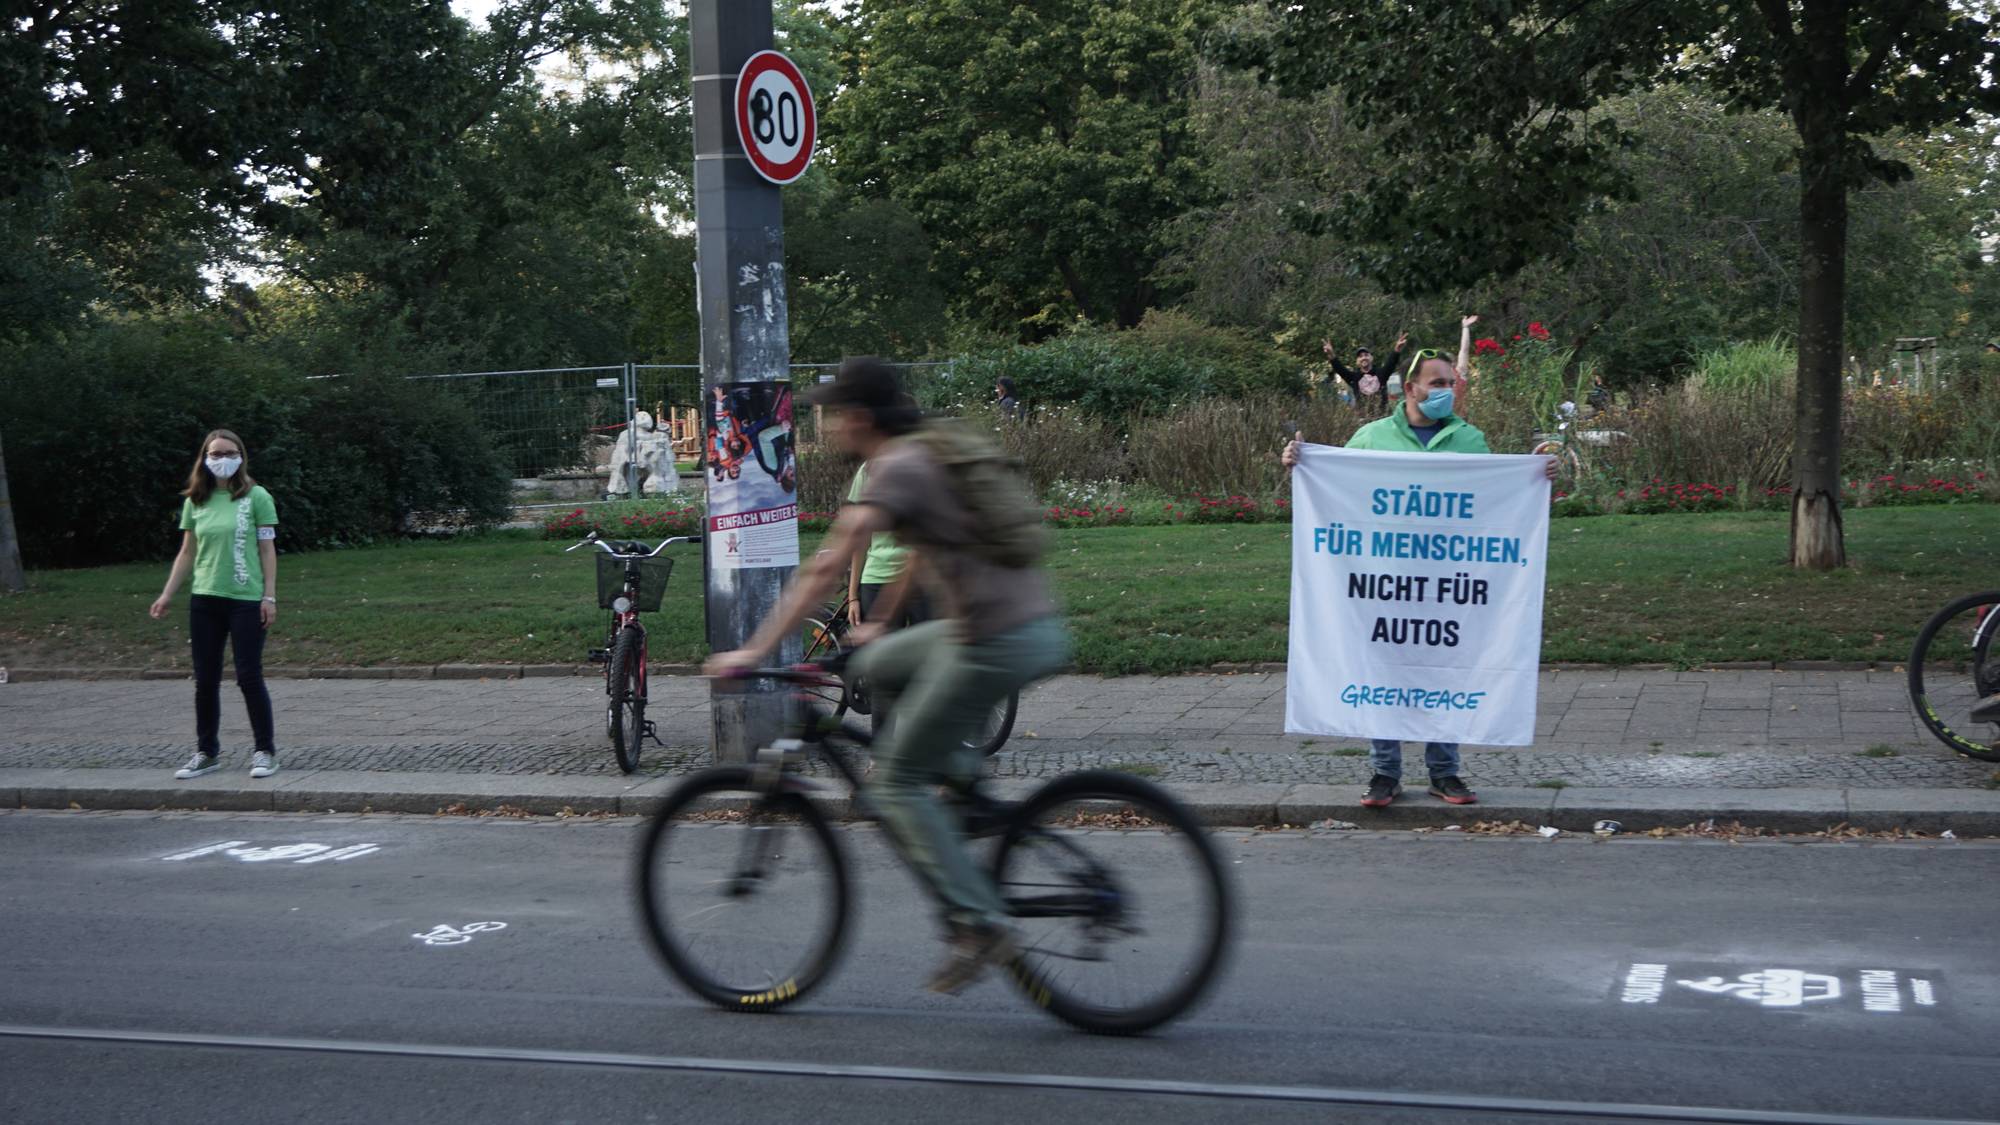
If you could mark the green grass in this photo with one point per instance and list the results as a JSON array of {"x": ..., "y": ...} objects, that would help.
[
  {"x": 1552, "y": 783},
  {"x": 1679, "y": 589},
  {"x": 1882, "y": 749}
]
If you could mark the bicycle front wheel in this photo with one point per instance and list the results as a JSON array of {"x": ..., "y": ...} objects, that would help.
[
  {"x": 628, "y": 697},
  {"x": 1122, "y": 902},
  {"x": 743, "y": 892},
  {"x": 1954, "y": 666}
]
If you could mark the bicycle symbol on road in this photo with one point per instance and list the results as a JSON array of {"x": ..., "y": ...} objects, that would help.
[{"x": 442, "y": 934}]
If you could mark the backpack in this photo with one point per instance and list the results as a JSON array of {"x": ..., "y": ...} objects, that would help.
[{"x": 993, "y": 486}]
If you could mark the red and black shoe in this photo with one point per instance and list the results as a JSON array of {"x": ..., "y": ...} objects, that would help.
[
  {"x": 1453, "y": 791},
  {"x": 1382, "y": 789}
]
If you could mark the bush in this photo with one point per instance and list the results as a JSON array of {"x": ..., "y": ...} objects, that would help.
[
  {"x": 629, "y": 519},
  {"x": 1168, "y": 359},
  {"x": 104, "y": 426},
  {"x": 1222, "y": 446}
]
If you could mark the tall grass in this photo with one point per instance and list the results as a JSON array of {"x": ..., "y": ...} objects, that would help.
[{"x": 1730, "y": 424}]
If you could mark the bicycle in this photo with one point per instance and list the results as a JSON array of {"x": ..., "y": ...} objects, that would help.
[
  {"x": 1954, "y": 674},
  {"x": 826, "y": 635},
  {"x": 745, "y": 894},
  {"x": 630, "y": 580}
]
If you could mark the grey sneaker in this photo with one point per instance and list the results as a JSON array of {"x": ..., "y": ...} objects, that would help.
[
  {"x": 199, "y": 764},
  {"x": 263, "y": 764},
  {"x": 969, "y": 951}
]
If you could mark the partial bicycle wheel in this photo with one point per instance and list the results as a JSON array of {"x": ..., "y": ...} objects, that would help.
[
  {"x": 744, "y": 893},
  {"x": 999, "y": 724},
  {"x": 628, "y": 697},
  {"x": 1122, "y": 902},
  {"x": 1954, "y": 666},
  {"x": 825, "y": 637}
]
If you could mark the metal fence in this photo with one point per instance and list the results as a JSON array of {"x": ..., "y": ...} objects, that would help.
[{"x": 555, "y": 429}]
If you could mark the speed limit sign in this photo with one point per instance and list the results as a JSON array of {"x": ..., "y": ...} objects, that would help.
[{"x": 774, "y": 117}]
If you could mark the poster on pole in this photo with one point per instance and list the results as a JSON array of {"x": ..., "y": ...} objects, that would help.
[
  {"x": 1417, "y": 583},
  {"x": 753, "y": 511}
]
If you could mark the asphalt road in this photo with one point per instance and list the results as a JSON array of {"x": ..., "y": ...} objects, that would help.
[{"x": 1394, "y": 968}]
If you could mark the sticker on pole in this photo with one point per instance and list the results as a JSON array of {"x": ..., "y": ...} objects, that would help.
[
  {"x": 753, "y": 510},
  {"x": 775, "y": 117}
]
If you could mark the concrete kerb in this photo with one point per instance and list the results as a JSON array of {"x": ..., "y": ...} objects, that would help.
[
  {"x": 518, "y": 671},
  {"x": 1577, "y": 808},
  {"x": 1574, "y": 809}
]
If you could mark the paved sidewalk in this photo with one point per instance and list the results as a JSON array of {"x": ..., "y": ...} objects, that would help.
[{"x": 1714, "y": 733}]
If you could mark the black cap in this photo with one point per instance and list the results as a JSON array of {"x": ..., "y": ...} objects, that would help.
[
  {"x": 861, "y": 381},
  {"x": 1359, "y": 352}
]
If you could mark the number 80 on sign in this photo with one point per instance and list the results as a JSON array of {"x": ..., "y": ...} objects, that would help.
[{"x": 774, "y": 117}]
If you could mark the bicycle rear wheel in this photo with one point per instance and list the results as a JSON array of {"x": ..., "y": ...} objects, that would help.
[
  {"x": 1955, "y": 665},
  {"x": 628, "y": 697},
  {"x": 744, "y": 893},
  {"x": 1122, "y": 903},
  {"x": 825, "y": 636}
]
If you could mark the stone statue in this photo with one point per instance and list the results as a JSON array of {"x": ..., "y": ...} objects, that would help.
[{"x": 648, "y": 447}]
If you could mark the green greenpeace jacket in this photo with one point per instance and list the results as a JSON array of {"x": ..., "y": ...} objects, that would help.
[{"x": 1394, "y": 434}]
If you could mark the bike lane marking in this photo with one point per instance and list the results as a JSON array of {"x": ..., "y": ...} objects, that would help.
[
  {"x": 244, "y": 852},
  {"x": 1781, "y": 987}
]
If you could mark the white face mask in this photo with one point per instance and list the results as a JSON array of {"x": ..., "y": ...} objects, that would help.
[{"x": 224, "y": 467}]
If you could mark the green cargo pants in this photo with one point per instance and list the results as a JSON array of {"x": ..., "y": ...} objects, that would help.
[{"x": 937, "y": 692}]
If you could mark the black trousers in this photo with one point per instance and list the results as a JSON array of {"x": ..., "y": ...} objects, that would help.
[
  {"x": 213, "y": 622},
  {"x": 916, "y": 610}
]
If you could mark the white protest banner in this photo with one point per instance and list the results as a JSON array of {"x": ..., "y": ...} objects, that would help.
[{"x": 1416, "y": 595}]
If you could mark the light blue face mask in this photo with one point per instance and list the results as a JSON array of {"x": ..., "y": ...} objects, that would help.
[{"x": 1437, "y": 405}]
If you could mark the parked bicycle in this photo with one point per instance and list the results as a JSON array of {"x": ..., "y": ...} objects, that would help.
[
  {"x": 746, "y": 894},
  {"x": 1954, "y": 673},
  {"x": 630, "y": 580},
  {"x": 826, "y": 635}
]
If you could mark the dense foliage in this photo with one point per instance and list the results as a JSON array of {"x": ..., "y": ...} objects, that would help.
[{"x": 202, "y": 202}]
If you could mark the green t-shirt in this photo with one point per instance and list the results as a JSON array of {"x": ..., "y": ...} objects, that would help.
[
  {"x": 884, "y": 563},
  {"x": 226, "y": 563}
]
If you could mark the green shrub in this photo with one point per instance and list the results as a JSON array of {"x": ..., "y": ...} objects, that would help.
[{"x": 103, "y": 426}]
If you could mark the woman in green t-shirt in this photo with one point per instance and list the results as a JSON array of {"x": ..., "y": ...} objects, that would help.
[{"x": 228, "y": 543}]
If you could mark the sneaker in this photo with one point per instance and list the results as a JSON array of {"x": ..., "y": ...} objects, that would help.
[
  {"x": 969, "y": 950},
  {"x": 199, "y": 764},
  {"x": 1452, "y": 790},
  {"x": 1987, "y": 710},
  {"x": 1382, "y": 789},
  {"x": 263, "y": 764}
]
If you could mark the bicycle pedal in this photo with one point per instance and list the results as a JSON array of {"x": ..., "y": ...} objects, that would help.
[
  {"x": 600, "y": 656},
  {"x": 653, "y": 732}
]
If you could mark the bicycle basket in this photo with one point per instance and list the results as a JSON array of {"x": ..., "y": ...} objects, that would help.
[{"x": 652, "y": 581}]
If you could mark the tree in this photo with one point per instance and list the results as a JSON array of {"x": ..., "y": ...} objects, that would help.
[
  {"x": 12, "y": 576},
  {"x": 1040, "y": 145},
  {"x": 1494, "y": 106}
]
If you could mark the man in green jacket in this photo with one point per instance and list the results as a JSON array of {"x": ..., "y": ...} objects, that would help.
[{"x": 1425, "y": 424}]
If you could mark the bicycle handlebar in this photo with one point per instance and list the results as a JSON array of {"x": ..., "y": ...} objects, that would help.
[
  {"x": 811, "y": 673},
  {"x": 606, "y": 545}
]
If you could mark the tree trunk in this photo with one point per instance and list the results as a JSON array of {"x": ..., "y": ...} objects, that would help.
[
  {"x": 12, "y": 575},
  {"x": 1820, "y": 113}
]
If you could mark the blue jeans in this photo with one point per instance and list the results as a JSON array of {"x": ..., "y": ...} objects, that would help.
[
  {"x": 937, "y": 691},
  {"x": 1441, "y": 758}
]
